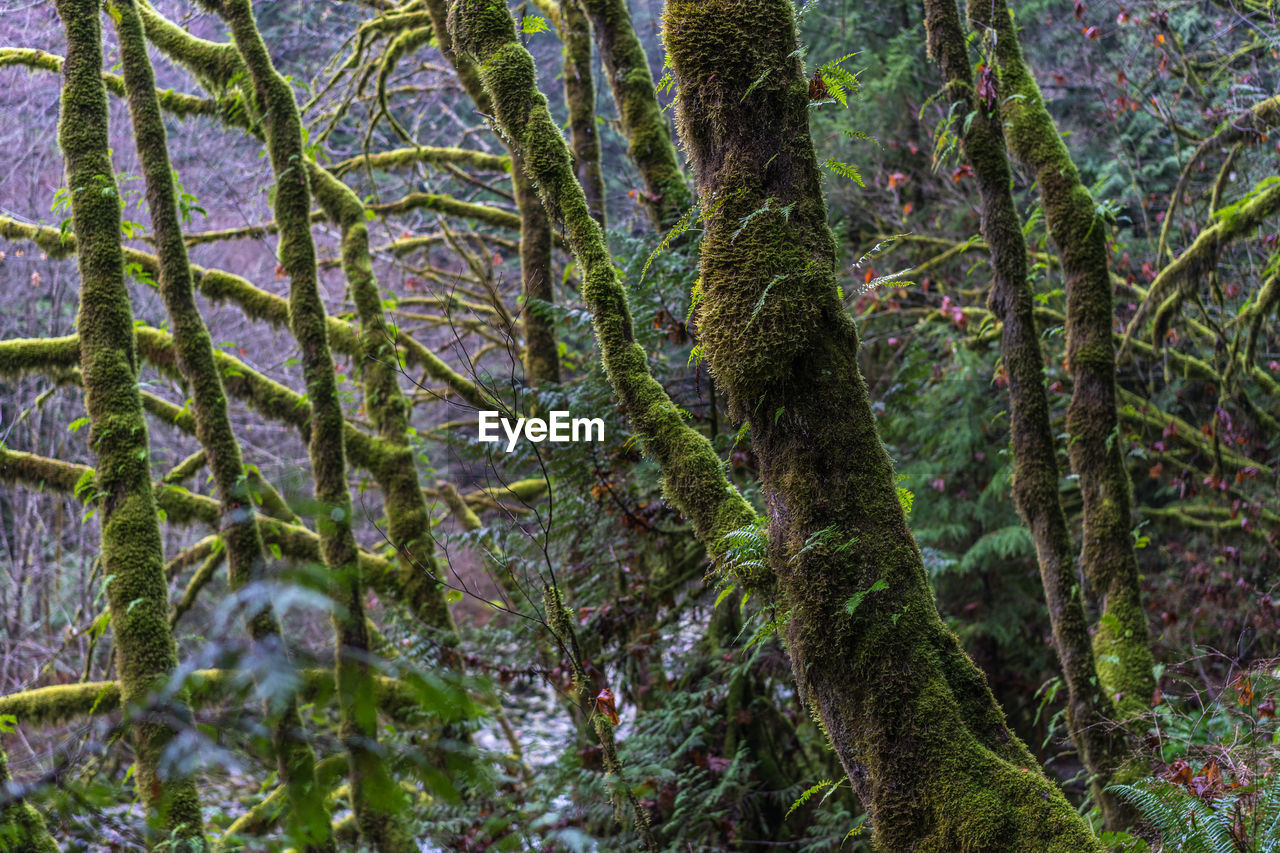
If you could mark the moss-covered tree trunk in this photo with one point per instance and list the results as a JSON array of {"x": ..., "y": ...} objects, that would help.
[
  {"x": 408, "y": 521},
  {"x": 1096, "y": 446},
  {"x": 246, "y": 557},
  {"x": 375, "y": 797},
  {"x": 911, "y": 718},
  {"x": 1035, "y": 462},
  {"x": 132, "y": 557},
  {"x": 693, "y": 475},
  {"x": 541, "y": 354},
  {"x": 580, "y": 99},
  {"x": 665, "y": 193}
]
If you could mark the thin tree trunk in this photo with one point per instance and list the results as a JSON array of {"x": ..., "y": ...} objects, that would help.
[
  {"x": 132, "y": 556},
  {"x": 1122, "y": 653},
  {"x": 376, "y": 799},
  {"x": 665, "y": 192},
  {"x": 580, "y": 99},
  {"x": 541, "y": 355},
  {"x": 246, "y": 557},
  {"x": 394, "y": 468},
  {"x": 1090, "y": 713}
]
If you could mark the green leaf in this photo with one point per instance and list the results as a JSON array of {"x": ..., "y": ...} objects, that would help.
[{"x": 856, "y": 599}]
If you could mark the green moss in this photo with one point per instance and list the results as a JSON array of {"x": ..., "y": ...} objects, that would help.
[
  {"x": 131, "y": 555},
  {"x": 244, "y": 552},
  {"x": 665, "y": 194},
  {"x": 375, "y": 798},
  {"x": 403, "y": 157},
  {"x": 693, "y": 476},
  {"x": 20, "y": 356},
  {"x": 394, "y": 466}
]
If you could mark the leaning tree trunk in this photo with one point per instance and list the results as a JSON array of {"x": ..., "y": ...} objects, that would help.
[
  {"x": 376, "y": 799},
  {"x": 909, "y": 715},
  {"x": 246, "y": 557},
  {"x": 1035, "y": 462},
  {"x": 132, "y": 557},
  {"x": 1095, "y": 443},
  {"x": 541, "y": 355}
]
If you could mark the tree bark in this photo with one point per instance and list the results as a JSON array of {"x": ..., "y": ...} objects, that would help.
[
  {"x": 909, "y": 715},
  {"x": 376, "y": 799}
]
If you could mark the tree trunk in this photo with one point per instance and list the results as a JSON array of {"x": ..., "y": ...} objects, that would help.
[
  {"x": 376, "y": 799},
  {"x": 132, "y": 557},
  {"x": 1095, "y": 443},
  {"x": 1035, "y": 478},
  {"x": 246, "y": 557},
  {"x": 580, "y": 99},
  {"x": 664, "y": 193},
  {"x": 910, "y": 716}
]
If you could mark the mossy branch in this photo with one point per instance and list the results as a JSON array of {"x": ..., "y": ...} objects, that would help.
[
  {"x": 258, "y": 304},
  {"x": 61, "y": 703}
]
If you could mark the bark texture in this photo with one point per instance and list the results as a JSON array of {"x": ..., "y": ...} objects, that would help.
[
  {"x": 132, "y": 558},
  {"x": 1121, "y": 649}
]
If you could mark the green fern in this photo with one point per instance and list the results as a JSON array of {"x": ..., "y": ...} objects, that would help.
[{"x": 1190, "y": 824}]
